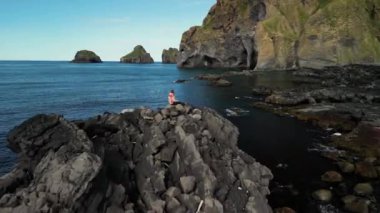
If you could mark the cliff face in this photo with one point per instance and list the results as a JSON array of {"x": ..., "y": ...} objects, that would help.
[
  {"x": 317, "y": 33},
  {"x": 138, "y": 56},
  {"x": 177, "y": 159},
  {"x": 86, "y": 56},
  {"x": 281, "y": 34},
  {"x": 226, "y": 38},
  {"x": 170, "y": 56}
]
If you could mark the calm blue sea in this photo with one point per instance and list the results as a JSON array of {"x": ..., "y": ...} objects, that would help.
[{"x": 85, "y": 90}]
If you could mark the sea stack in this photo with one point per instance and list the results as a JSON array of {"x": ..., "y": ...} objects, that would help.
[
  {"x": 280, "y": 35},
  {"x": 86, "y": 56},
  {"x": 170, "y": 56},
  {"x": 137, "y": 56}
]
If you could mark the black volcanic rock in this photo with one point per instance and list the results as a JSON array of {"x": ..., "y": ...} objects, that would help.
[
  {"x": 86, "y": 56},
  {"x": 137, "y": 56},
  {"x": 170, "y": 56},
  {"x": 174, "y": 159}
]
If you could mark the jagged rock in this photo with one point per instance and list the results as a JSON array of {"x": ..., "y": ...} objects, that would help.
[
  {"x": 170, "y": 56},
  {"x": 86, "y": 56},
  {"x": 137, "y": 56},
  {"x": 187, "y": 184},
  {"x": 276, "y": 34},
  {"x": 127, "y": 163}
]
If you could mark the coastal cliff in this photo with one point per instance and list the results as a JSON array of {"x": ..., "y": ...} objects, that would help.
[
  {"x": 277, "y": 34},
  {"x": 86, "y": 56},
  {"x": 137, "y": 56},
  {"x": 170, "y": 56},
  {"x": 178, "y": 159}
]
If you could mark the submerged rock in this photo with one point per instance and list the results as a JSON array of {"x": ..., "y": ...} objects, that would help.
[
  {"x": 132, "y": 162},
  {"x": 137, "y": 56},
  {"x": 170, "y": 56},
  {"x": 86, "y": 56}
]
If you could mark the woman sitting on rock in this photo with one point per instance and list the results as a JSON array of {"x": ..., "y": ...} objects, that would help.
[{"x": 171, "y": 98}]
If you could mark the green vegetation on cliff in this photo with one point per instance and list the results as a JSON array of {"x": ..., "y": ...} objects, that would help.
[
  {"x": 138, "y": 55},
  {"x": 319, "y": 33}
]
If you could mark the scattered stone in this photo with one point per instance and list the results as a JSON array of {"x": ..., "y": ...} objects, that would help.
[
  {"x": 363, "y": 189},
  {"x": 346, "y": 167},
  {"x": 323, "y": 195},
  {"x": 332, "y": 177},
  {"x": 366, "y": 170},
  {"x": 355, "y": 204}
]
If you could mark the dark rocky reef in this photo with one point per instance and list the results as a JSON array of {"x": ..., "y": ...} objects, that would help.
[
  {"x": 170, "y": 56},
  {"x": 137, "y": 56},
  {"x": 178, "y": 159},
  {"x": 277, "y": 34},
  {"x": 86, "y": 56}
]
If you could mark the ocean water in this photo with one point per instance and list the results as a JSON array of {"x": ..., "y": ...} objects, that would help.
[{"x": 85, "y": 90}]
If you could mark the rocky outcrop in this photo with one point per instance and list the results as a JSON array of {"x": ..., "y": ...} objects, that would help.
[
  {"x": 226, "y": 38},
  {"x": 137, "y": 56},
  {"x": 278, "y": 34},
  {"x": 177, "y": 159},
  {"x": 170, "y": 56},
  {"x": 86, "y": 56}
]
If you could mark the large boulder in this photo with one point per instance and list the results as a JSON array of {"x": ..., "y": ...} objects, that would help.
[
  {"x": 170, "y": 56},
  {"x": 129, "y": 163},
  {"x": 137, "y": 56},
  {"x": 86, "y": 56},
  {"x": 278, "y": 34}
]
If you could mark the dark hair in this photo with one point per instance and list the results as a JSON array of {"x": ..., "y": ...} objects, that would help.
[{"x": 172, "y": 91}]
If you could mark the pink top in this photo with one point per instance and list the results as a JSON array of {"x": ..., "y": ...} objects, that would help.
[{"x": 171, "y": 98}]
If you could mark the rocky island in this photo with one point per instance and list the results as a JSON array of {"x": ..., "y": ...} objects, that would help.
[
  {"x": 276, "y": 34},
  {"x": 137, "y": 56},
  {"x": 170, "y": 56},
  {"x": 177, "y": 159},
  {"x": 86, "y": 56}
]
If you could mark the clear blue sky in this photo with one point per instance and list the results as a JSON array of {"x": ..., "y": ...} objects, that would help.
[{"x": 55, "y": 30}]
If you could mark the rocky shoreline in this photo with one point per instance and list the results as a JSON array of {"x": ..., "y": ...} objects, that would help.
[
  {"x": 346, "y": 102},
  {"x": 177, "y": 159}
]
